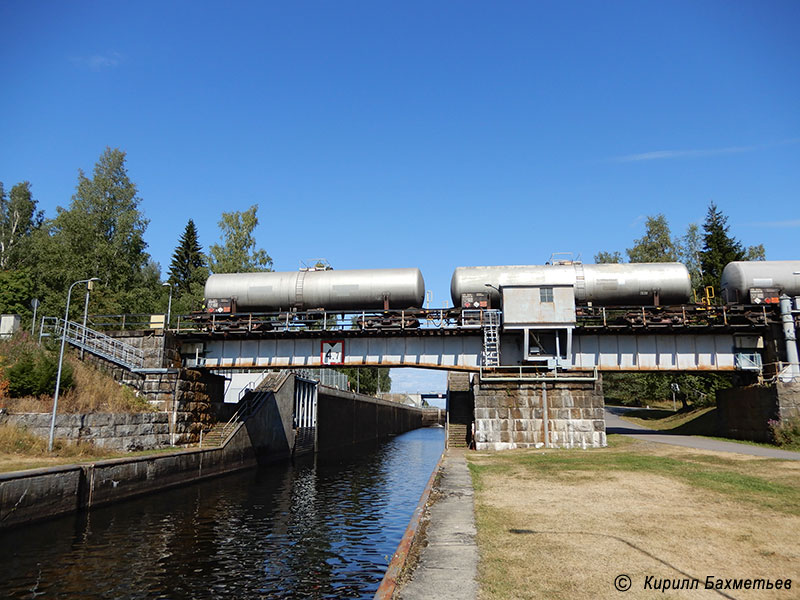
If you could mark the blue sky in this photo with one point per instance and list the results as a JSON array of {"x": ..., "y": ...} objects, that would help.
[{"x": 436, "y": 135}]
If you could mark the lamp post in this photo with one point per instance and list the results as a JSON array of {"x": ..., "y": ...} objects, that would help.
[
  {"x": 169, "y": 304},
  {"x": 61, "y": 360},
  {"x": 166, "y": 323},
  {"x": 34, "y": 306},
  {"x": 89, "y": 288}
]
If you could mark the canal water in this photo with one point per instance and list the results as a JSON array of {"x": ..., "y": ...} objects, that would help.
[{"x": 322, "y": 527}]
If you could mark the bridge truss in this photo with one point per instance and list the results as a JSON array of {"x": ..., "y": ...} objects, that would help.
[{"x": 672, "y": 338}]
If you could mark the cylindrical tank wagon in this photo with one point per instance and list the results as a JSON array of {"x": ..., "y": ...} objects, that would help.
[
  {"x": 759, "y": 281},
  {"x": 361, "y": 289},
  {"x": 602, "y": 284}
]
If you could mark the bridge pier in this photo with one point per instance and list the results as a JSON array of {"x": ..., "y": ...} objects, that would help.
[{"x": 524, "y": 414}]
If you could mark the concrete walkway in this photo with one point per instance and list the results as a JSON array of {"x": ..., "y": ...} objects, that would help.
[
  {"x": 614, "y": 424},
  {"x": 448, "y": 565}
]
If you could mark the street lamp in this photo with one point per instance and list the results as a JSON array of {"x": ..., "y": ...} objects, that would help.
[
  {"x": 61, "y": 360},
  {"x": 166, "y": 323},
  {"x": 89, "y": 288},
  {"x": 169, "y": 304}
]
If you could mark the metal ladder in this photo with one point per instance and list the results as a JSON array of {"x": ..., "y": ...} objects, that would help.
[
  {"x": 123, "y": 354},
  {"x": 491, "y": 338}
]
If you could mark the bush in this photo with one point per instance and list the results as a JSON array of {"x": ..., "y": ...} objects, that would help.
[
  {"x": 34, "y": 374},
  {"x": 786, "y": 432}
]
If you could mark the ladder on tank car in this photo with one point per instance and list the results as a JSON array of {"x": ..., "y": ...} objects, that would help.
[{"x": 491, "y": 338}]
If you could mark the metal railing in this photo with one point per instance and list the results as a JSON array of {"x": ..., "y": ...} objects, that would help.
[
  {"x": 321, "y": 320},
  {"x": 93, "y": 341},
  {"x": 748, "y": 361},
  {"x": 124, "y": 322},
  {"x": 249, "y": 405},
  {"x": 530, "y": 373},
  {"x": 327, "y": 377}
]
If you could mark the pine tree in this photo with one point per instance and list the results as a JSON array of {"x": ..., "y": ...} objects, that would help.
[
  {"x": 187, "y": 258},
  {"x": 719, "y": 248}
]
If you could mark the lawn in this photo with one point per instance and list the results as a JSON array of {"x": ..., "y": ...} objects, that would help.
[{"x": 564, "y": 523}]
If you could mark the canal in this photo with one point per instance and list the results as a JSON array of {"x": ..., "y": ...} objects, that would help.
[{"x": 321, "y": 527}]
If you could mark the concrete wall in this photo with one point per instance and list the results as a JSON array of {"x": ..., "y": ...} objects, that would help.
[
  {"x": 511, "y": 414},
  {"x": 120, "y": 431},
  {"x": 344, "y": 419},
  {"x": 270, "y": 429},
  {"x": 27, "y": 496},
  {"x": 744, "y": 413},
  {"x": 347, "y": 418}
]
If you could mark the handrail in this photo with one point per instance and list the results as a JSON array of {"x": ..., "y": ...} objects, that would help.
[
  {"x": 525, "y": 373},
  {"x": 95, "y": 342},
  {"x": 249, "y": 404}
]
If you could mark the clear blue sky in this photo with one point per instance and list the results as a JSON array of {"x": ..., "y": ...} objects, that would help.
[{"x": 380, "y": 134}]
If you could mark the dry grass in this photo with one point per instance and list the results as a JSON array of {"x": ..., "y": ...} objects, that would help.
[
  {"x": 94, "y": 391},
  {"x": 564, "y": 524},
  {"x": 20, "y": 450}
]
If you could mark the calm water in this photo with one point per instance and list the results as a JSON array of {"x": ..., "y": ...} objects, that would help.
[{"x": 320, "y": 528}]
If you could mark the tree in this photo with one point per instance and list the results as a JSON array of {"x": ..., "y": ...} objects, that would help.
[
  {"x": 18, "y": 219},
  {"x": 100, "y": 235},
  {"x": 368, "y": 380},
  {"x": 656, "y": 245},
  {"x": 689, "y": 254},
  {"x": 720, "y": 248},
  {"x": 603, "y": 257},
  {"x": 238, "y": 253},
  {"x": 16, "y": 292},
  {"x": 186, "y": 260}
]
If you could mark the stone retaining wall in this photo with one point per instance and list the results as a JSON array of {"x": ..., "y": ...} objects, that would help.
[
  {"x": 744, "y": 413},
  {"x": 122, "y": 431},
  {"x": 510, "y": 414}
]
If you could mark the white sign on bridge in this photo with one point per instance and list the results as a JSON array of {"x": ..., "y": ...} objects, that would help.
[{"x": 332, "y": 352}]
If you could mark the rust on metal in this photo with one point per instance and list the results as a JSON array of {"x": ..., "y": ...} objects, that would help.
[{"x": 389, "y": 582}]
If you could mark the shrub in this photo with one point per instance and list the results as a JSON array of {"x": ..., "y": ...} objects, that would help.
[
  {"x": 34, "y": 374},
  {"x": 786, "y": 432}
]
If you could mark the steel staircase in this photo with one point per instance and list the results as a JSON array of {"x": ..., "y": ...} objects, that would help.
[
  {"x": 491, "y": 338},
  {"x": 111, "y": 349}
]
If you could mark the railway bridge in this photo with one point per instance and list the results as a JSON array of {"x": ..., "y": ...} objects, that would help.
[
  {"x": 534, "y": 366},
  {"x": 537, "y": 378}
]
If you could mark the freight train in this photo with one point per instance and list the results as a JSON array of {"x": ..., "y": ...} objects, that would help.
[
  {"x": 394, "y": 297},
  {"x": 760, "y": 281}
]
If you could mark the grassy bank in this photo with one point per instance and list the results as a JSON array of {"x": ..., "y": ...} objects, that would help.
[
  {"x": 20, "y": 450},
  {"x": 702, "y": 421},
  {"x": 563, "y": 524}
]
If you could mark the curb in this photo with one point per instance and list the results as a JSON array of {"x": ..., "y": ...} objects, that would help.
[{"x": 389, "y": 582}]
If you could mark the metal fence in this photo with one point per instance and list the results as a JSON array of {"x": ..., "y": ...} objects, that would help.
[
  {"x": 327, "y": 377},
  {"x": 94, "y": 342}
]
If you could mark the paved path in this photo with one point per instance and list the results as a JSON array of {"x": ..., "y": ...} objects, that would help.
[
  {"x": 448, "y": 565},
  {"x": 616, "y": 425}
]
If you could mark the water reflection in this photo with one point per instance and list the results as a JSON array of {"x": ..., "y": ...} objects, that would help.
[{"x": 321, "y": 528}]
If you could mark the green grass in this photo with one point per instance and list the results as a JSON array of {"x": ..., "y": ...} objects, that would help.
[
  {"x": 739, "y": 480},
  {"x": 693, "y": 422},
  {"x": 700, "y": 422}
]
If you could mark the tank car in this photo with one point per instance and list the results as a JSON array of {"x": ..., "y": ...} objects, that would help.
[
  {"x": 602, "y": 284},
  {"x": 760, "y": 281},
  {"x": 363, "y": 289}
]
